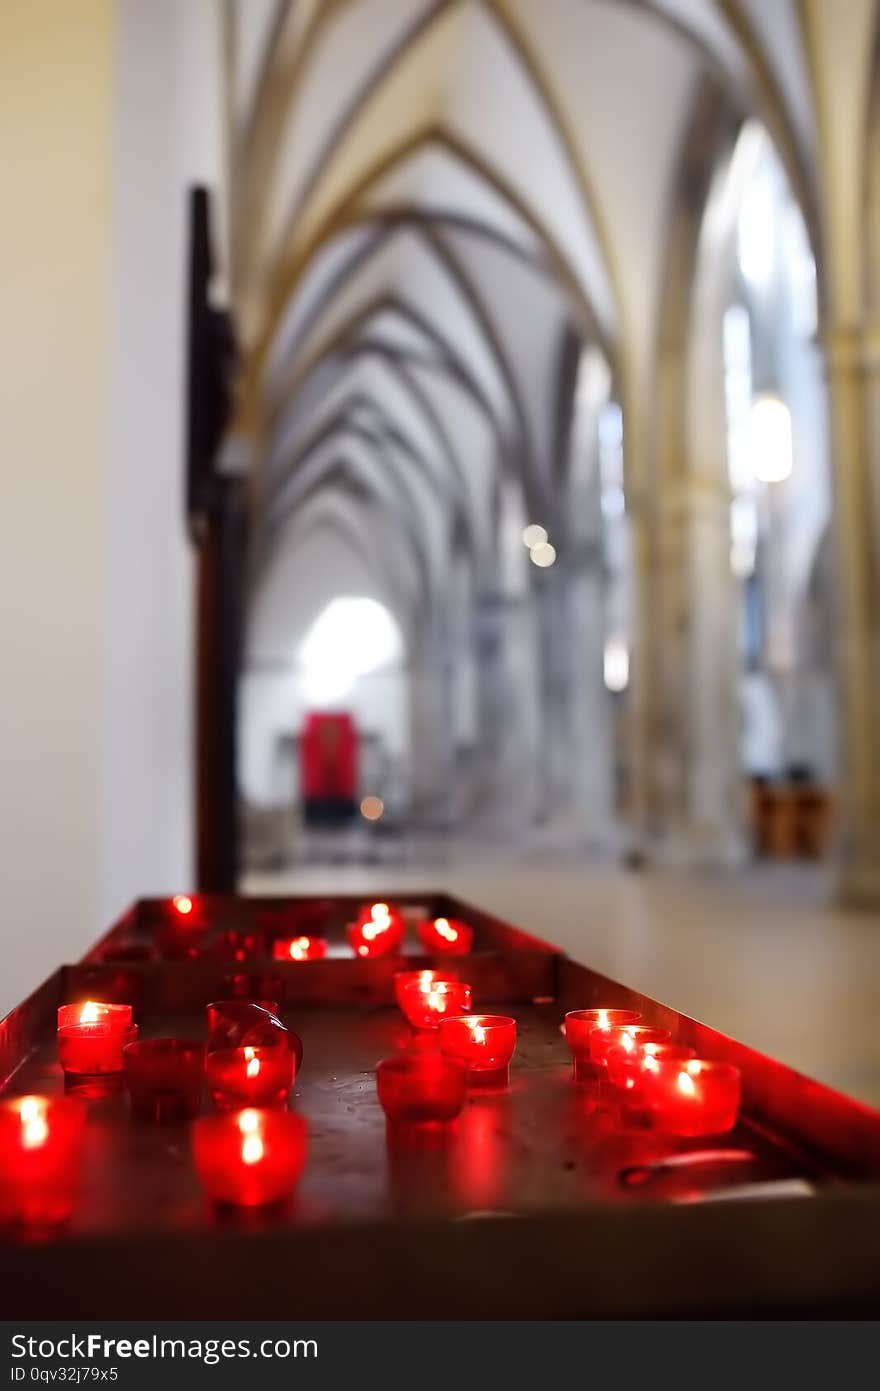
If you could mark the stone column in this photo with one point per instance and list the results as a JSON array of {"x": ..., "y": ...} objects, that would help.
[
  {"x": 854, "y": 386},
  {"x": 591, "y": 752},
  {"x": 506, "y": 713},
  {"x": 697, "y": 785},
  {"x": 432, "y": 779}
]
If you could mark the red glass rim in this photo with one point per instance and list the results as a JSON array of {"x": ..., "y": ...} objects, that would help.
[
  {"x": 485, "y": 1021},
  {"x": 113, "y": 1015},
  {"x": 439, "y": 983},
  {"x": 603, "y": 1018},
  {"x": 237, "y": 1009}
]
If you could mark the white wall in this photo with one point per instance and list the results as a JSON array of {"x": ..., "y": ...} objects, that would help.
[
  {"x": 99, "y": 112},
  {"x": 166, "y": 136}
]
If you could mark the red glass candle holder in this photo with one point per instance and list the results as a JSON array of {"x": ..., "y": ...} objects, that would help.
[
  {"x": 93, "y": 1050},
  {"x": 186, "y": 911},
  {"x": 424, "y": 978},
  {"x": 622, "y": 1042},
  {"x": 421, "y": 1088},
  {"x": 250, "y": 1076},
  {"x": 425, "y": 1008},
  {"x": 369, "y": 939},
  {"x": 183, "y": 927},
  {"x": 697, "y": 1097},
  {"x": 250, "y": 1023},
  {"x": 41, "y": 1141},
  {"x": 249, "y": 1158},
  {"x": 579, "y": 1026},
  {"x": 621, "y": 1036},
  {"x": 164, "y": 1078},
  {"x": 300, "y": 948},
  {"x": 633, "y": 1069},
  {"x": 233, "y": 1023},
  {"x": 384, "y": 914},
  {"x": 485, "y": 1043},
  {"x": 446, "y": 935}
]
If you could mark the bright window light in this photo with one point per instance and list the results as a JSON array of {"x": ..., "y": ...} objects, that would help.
[
  {"x": 772, "y": 455},
  {"x": 351, "y": 637},
  {"x": 756, "y": 230},
  {"x": 616, "y": 665}
]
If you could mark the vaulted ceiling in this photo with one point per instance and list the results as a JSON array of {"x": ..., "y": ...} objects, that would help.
[{"x": 425, "y": 194}]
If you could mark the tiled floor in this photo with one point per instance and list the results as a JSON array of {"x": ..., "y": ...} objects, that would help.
[{"x": 759, "y": 954}]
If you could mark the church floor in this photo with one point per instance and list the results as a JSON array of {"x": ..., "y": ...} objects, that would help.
[{"x": 758, "y": 954}]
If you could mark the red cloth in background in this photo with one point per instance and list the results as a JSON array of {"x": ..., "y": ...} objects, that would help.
[{"x": 329, "y": 757}]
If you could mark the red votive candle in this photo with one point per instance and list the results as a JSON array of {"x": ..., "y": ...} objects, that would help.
[
  {"x": 250, "y": 1024},
  {"x": 579, "y": 1027},
  {"x": 250, "y": 1076},
  {"x": 697, "y": 1097},
  {"x": 183, "y": 929},
  {"x": 186, "y": 911},
  {"x": 424, "y": 978},
  {"x": 621, "y": 1036},
  {"x": 634, "y": 1068},
  {"x": 421, "y": 1088},
  {"x": 484, "y": 1043},
  {"x": 299, "y": 948},
  {"x": 446, "y": 935},
  {"x": 164, "y": 1078},
  {"x": 621, "y": 1043},
  {"x": 249, "y": 1158},
  {"x": 91, "y": 1037},
  {"x": 232, "y": 1023},
  {"x": 40, "y": 1154},
  {"x": 371, "y": 938},
  {"x": 379, "y": 930},
  {"x": 425, "y": 1008}
]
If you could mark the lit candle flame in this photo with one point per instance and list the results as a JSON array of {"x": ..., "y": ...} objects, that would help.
[
  {"x": 603, "y": 1019},
  {"x": 426, "y": 981},
  {"x": 253, "y": 1062},
  {"x": 183, "y": 903},
  {"x": 90, "y": 1013},
  {"x": 478, "y": 1033},
  {"x": 686, "y": 1084},
  {"x": 34, "y": 1130},
  {"x": 379, "y": 910},
  {"x": 362, "y": 950},
  {"x": 628, "y": 1040},
  {"x": 299, "y": 948},
  {"x": 249, "y": 1121},
  {"x": 443, "y": 926},
  {"x": 251, "y": 1149}
]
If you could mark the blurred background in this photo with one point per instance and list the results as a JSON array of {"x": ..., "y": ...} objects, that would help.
[{"x": 441, "y": 446}]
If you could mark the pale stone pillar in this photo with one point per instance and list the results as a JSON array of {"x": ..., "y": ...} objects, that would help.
[
  {"x": 854, "y": 385},
  {"x": 697, "y": 785},
  {"x": 432, "y": 778},
  {"x": 591, "y": 752},
  {"x": 506, "y": 712}
]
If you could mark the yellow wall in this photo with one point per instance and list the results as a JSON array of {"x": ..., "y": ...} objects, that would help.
[{"x": 55, "y": 146}]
